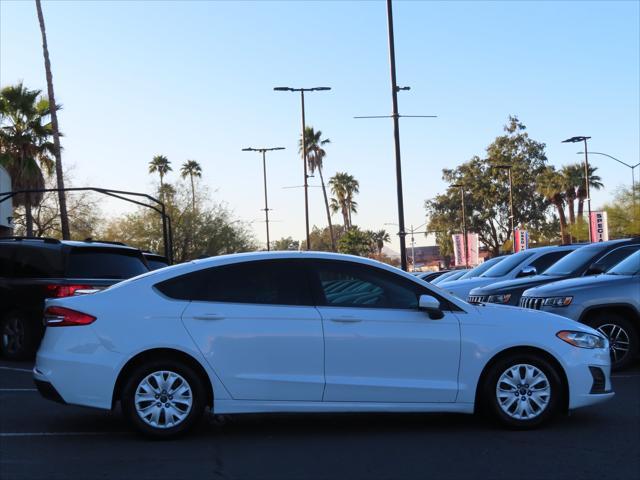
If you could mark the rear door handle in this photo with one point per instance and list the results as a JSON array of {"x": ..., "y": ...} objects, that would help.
[
  {"x": 346, "y": 319},
  {"x": 208, "y": 316}
]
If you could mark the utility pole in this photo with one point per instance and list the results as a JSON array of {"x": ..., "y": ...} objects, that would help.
[
  {"x": 586, "y": 174},
  {"x": 264, "y": 175}
]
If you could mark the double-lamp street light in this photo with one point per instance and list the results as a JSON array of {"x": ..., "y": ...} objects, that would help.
[{"x": 304, "y": 151}]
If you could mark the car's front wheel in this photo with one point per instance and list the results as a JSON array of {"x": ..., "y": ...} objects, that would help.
[
  {"x": 622, "y": 335},
  {"x": 163, "y": 398},
  {"x": 523, "y": 391}
]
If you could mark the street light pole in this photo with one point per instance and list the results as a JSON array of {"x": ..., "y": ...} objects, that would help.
[
  {"x": 464, "y": 224},
  {"x": 264, "y": 176},
  {"x": 633, "y": 178},
  {"x": 511, "y": 215},
  {"x": 586, "y": 174},
  {"x": 304, "y": 151}
]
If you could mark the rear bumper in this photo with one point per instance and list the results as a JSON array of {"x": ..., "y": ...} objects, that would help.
[{"x": 48, "y": 391}]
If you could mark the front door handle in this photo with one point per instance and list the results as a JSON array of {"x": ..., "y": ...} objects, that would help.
[
  {"x": 208, "y": 316},
  {"x": 346, "y": 319}
]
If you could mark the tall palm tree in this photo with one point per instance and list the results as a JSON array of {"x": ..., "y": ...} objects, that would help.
[
  {"x": 315, "y": 156},
  {"x": 162, "y": 165},
  {"x": 550, "y": 184},
  {"x": 380, "y": 238},
  {"x": 344, "y": 187},
  {"x": 191, "y": 169},
  {"x": 25, "y": 146},
  {"x": 572, "y": 176},
  {"x": 62, "y": 199}
]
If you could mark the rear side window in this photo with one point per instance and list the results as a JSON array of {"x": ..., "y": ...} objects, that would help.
[
  {"x": 508, "y": 264},
  {"x": 104, "y": 263},
  {"x": 37, "y": 261},
  {"x": 6, "y": 262},
  {"x": 545, "y": 261},
  {"x": 268, "y": 282},
  {"x": 616, "y": 256}
]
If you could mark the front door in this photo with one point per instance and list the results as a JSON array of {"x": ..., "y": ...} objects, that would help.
[{"x": 379, "y": 347}]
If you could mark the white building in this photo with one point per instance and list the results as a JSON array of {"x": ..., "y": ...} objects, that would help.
[{"x": 6, "y": 207}]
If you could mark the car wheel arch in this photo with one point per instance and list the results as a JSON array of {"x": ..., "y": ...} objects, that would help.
[
  {"x": 161, "y": 354},
  {"x": 519, "y": 350},
  {"x": 624, "y": 309}
]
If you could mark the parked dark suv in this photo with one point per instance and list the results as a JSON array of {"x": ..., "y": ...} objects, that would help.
[{"x": 33, "y": 269}]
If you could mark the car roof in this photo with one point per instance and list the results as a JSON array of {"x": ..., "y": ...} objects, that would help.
[{"x": 72, "y": 243}]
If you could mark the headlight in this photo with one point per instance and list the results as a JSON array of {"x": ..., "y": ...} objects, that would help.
[
  {"x": 557, "y": 301},
  {"x": 582, "y": 339},
  {"x": 503, "y": 298}
]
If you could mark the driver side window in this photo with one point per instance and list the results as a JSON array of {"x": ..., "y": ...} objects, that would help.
[{"x": 343, "y": 284}]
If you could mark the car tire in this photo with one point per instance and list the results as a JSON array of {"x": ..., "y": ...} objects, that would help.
[
  {"x": 622, "y": 334},
  {"x": 163, "y": 398},
  {"x": 537, "y": 384},
  {"x": 18, "y": 336}
]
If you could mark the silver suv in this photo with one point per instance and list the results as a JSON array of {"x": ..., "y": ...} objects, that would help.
[{"x": 609, "y": 303}]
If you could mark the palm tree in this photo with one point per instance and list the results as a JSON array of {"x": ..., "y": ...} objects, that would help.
[
  {"x": 551, "y": 185},
  {"x": 315, "y": 156},
  {"x": 572, "y": 176},
  {"x": 380, "y": 238},
  {"x": 162, "y": 165},
  {"x": 25, "y": 146},
  {"x": 344, "y": 187},
  {"x": 191, "y": 169},
  {"x": 595, "y": 183},
  {"x": 62, "y": 199}
]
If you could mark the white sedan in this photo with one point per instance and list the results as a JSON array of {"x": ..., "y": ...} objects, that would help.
[{"x": 309, "y": 332}]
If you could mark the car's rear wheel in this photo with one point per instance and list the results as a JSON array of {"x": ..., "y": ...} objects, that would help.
[
  {"x": 163, "y": 398},
  {"x": 623, "y": 337},
  {"x": 17, "y": 336},
  {"x": 523, "y": 390}
]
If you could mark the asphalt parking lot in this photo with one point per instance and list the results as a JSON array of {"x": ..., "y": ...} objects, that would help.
[{"x": 41, "y": 439}]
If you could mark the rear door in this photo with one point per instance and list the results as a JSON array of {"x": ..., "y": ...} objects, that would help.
[{"x": 257, "y": 327}]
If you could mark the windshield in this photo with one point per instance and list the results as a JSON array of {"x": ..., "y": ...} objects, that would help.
[
  {"x": 628, "y": 266},
  {"x": 483, "y": 267},
  {"x": 575, "y": 261},
  {"x": 508, "y": 264}
]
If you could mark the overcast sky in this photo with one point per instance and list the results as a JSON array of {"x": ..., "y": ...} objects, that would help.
[{"x": 194, "y": 80}]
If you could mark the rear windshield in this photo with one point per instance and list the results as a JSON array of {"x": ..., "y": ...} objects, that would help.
[
  {"x": 508, "y": 264},
  {"x": 156, "y": 264},
  {"x": 483, "y": 267},
  {"x": 629, "y": 266},
  {"x": 104, "y": 263},
  {"x": 576, "y": 261}
]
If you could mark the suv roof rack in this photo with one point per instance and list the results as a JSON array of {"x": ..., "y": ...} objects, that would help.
[
  {"x": 91, "y": 240},
  {"x": 43, "y": 239}
]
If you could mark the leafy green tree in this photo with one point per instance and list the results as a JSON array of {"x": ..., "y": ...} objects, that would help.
[
  {"x": 191, "y": 169},
  {"x": 550, "y": 184},
  {"x": 321, "y": 238},
  {"x": 26, "y": 149},
  {"x": 623, "y": 213},
  {"x": 285, "y": 243},
  {"x": 486, "y": 191},
  {"x": 315, "y": 156},
  {"x": 356, "y": 242},
  {"x": 344, "y": 188},
  {"x": 162, "y": 165}
]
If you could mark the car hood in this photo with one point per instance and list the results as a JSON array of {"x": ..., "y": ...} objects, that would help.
[
  {"x": 574, "y": 285},
  {"x": 515, "y": 284},
  {"x": 461, "y": 288}
]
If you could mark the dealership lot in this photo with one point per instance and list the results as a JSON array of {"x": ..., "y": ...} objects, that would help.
[{"x": 41, "y": 439}]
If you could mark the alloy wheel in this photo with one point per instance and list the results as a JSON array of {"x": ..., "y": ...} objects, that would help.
[
  {"x": 163, "y": 399},
  {"x": 523, "y": 391},
  {"x": 13, "y": 335},
  {"x": 618, "y": 340}
]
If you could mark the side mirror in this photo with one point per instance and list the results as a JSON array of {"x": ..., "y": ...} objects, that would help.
[
  {"x": 595, "y": 269},
  {"x": 430, "y": 305},
  {"x": 528, "y": 271}
]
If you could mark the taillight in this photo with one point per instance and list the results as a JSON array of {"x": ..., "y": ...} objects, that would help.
[
  {"x": 60, "y": 291},
  {"x": 65, "y": 317}
]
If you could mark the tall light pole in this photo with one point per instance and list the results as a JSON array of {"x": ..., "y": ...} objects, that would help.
[
  {"x": 633, "y": 178},
  {"x": 586, "y": 173},
  {"x": 264, "y": 175},
  {"x": 304, "y": 151},
  {"x": 511, "y": 216},
  {"x": 464, "y": 224}
]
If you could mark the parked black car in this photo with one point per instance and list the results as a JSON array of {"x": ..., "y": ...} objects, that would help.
[
  {"x": 593, "y": 258},
  {"x": 33, "y": 269}
]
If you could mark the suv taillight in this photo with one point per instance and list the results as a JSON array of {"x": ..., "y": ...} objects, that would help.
[
  {"x": 60, "y": 291},
  {"x": 65, "y": 317}
]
